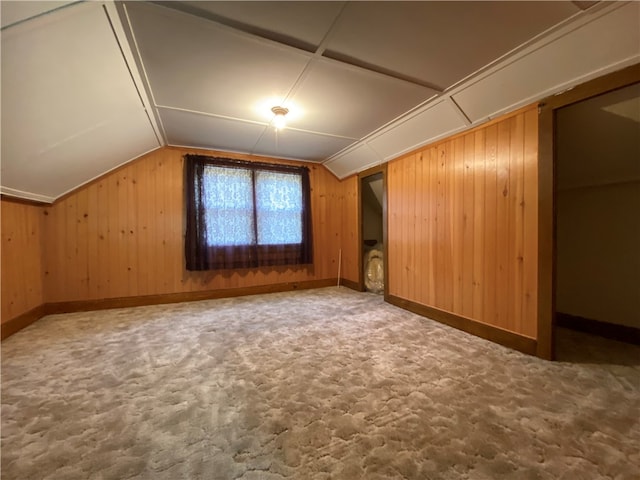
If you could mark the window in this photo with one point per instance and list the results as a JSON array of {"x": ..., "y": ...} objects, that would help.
[{"x": 246, "y": 214}]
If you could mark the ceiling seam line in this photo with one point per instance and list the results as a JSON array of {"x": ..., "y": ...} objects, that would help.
[
  {"x": 214, "y": 115},
  {"x": 43, "y": 14},
  {"x": 135, "y": 85},
  {"x": 316, "y": 55},
  {"x": 307, "y": 68},
  {"x": 461, "y": 112},
  {"x": 145, "y": 75}
]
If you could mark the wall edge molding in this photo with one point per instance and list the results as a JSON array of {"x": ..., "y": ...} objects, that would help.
[
  {"x": 612, "y": 331},
  {"x": 24, "y": 320},
  {"x": 344, "y": 282},
  {"x": 505, "y": 338}
]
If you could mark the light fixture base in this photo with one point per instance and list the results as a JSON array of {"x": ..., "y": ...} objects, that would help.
[
  {"x": 279, "y": 119},
  {"x": 280, "y": 111}
]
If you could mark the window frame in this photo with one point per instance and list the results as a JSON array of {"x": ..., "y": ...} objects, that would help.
[{"x": 201, "y": 256}]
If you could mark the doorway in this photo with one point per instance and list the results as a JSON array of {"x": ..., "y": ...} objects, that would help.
[
  {"x": 589, "y": 187},
  {"x": 372, "y": 242},
  {"x": 597, "y": 222}
]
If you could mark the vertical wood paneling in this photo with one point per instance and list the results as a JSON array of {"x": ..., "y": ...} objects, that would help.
[
  {"x": 530, "y": 264},
  {"x": 465, "y": 220},
  {"x": 478, "y": 224},
  {"x": 410, "y": 198},
  {"x": 504, "y": 231},
  {"x": 490, "y": 224},
  {"x": 468, "y": 227},
  {"x": 394, "y": 191},
  {"x": 456, "y": 180},
  {"x": 104, "y": 243},
  {"x": 349, "y": 224},
  {"x": 433, "y": 224},
  {"x": 122, "y": 235},
  {"x": 22, "y": 253},
  {"x": 419, "y": 245},
  {"x": 516, "y": 216}
]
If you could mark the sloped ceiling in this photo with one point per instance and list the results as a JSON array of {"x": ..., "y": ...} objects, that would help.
[{"x": 89, "y": 86}]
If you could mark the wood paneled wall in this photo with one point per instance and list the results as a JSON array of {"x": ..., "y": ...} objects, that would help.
[
  {"x": 349, "y": 229},
  {"x": 22, "y": 253},
  {"x": 462, "y": 224},
  {"x": 122, "y": 235}
]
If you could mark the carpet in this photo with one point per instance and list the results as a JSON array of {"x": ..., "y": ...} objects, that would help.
[{"x": 317, "y": 384}]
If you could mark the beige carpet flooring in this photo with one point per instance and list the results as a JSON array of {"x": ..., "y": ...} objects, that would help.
[{"x": 318, "y": 384}]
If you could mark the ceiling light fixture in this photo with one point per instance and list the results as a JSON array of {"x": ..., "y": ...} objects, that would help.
[{"x": 279, "y": 120}]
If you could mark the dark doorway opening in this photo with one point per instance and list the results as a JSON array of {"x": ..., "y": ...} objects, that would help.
[
  {"x": 589, "y": 180},
  {"x": 372, "y": 230}
]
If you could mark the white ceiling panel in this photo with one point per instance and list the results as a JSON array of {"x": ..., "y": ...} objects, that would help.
[
  {"x": 70, "y": 109},
  {"x": 14, "y": 11},
  {"x": 352, "y": 161},
  {"x": 439, "y": 42},
  {"x": 435, "y": 122},
  {"x": 195, "y": 130},
  {"x": 298, "y": 23},
  {"x": 605, "y": 43},
  {"x": 86, "y": 86},
  {"x": 342, "y": 100},
  {"x": 195, "y": 64},
  {"x": 289, "y": 143},
  {"x": 83, "y": 157}
]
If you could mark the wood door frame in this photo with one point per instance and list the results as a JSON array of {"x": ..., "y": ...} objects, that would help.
[
  {"x": 547, "y": 193},
  {"x": 361, "y": 176}
]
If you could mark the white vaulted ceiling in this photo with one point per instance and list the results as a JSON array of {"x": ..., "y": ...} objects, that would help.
[{"x": 89, "y": 86}]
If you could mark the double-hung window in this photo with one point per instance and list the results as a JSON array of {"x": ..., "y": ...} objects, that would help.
[{"x": 246, "y": 214}]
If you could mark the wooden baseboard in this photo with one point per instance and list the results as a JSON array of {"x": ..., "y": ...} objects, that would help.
[
  {"x": 125, "y": 302},
  {"x": 22, "y": 321},
  {"x": 12, "y": 326},
  {"x": 503, "y": 337},
  {"x": 612, "y": 331},
  {"x": 350, "y": 284}
]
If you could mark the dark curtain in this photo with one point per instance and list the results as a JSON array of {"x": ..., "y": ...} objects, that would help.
[{"x": 201, "y": 255}]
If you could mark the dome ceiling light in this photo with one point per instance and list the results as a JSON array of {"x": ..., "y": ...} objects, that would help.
[{"x": 279, "y": 121}]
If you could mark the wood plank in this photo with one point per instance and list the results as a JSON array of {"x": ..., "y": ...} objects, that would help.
[
  {"x": 479, "y": 224},
  {"x": 82, "y": 243},
  {"x": 516, "y": 214},
  {"x": 420, "y": 233},
  {"x": 101, "y": 275},
  {"x": 70, "y": 271},
  {"x": 349, "y": 235},
  {"x": 504, "y": 225},
  {"x": 433, "y": 215},
  {"x": 530, "y": 306},
  {"x": 468, "y": 227},
  {"x": 392, "y": 228},
  {"x": 441, "y": 280},
  {"x": 166, "y": 239},
  {"x": 147, "y": 229},
  {"x": 131, "y": 229},
  {"x": 93, "y": 253},
  {"x": 546, "y": 234},
  {"x": 176, "y": 214},
  {"x": 490, "y": 226},
  {"x": 409, "y": 240},
  {"x": 55, "y": 232},
  {"x": 456, "y": 176},
  {"x": 115, "y": 279}
]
